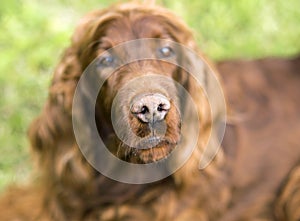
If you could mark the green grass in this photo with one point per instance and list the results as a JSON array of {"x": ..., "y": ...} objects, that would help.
[{"x": 34, "y": 33}]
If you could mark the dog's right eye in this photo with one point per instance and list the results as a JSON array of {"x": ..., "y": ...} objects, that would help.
[
  {"x": 105, "y": 61},
  {"x": 166, "y": 52}
]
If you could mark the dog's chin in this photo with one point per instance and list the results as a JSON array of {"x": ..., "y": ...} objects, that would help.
[
  {"x": 151, "y": 150},
  {"x": 150, "y": 142}
]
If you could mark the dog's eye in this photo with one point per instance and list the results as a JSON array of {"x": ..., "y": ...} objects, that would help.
[
  {"x": 166, "y": 52},
  {"x": 105, "y": 61}
]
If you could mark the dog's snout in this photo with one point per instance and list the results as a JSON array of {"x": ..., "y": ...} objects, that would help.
[{"x": 150, "y": 108}]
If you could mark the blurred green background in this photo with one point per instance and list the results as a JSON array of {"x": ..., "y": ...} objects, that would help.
[{"x": 33, "y": 34}]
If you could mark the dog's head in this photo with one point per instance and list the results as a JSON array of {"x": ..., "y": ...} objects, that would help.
[
  {"x": 141, "y": 103},
  {"x": 139, "y": 106}
]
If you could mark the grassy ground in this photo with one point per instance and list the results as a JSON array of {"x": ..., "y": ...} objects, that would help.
[{"x": 33, "y": 34}]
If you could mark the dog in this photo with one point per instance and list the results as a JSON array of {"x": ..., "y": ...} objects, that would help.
[{"x": 254, "y": 176}]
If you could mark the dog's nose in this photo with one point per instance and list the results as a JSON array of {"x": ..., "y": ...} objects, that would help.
[{"x": 150, "y": 108}]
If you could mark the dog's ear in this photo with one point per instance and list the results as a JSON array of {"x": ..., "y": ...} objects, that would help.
[
  {"x": 55, "y": 120},
  {"x": 51, "y": 134}
]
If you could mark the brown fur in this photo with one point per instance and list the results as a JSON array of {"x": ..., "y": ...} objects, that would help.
[
  {"x": 262, "y": 144},
  {"x": 251, "y": 179}
]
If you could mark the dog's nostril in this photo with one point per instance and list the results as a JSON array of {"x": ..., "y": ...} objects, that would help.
[
  {"x": 150, "y": 108},
  {"x": 160, "y": 107},
  {"x": 144, "y": 109}
]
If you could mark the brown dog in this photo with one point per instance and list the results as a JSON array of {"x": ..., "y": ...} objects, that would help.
[{"x": 254, "y": 177}]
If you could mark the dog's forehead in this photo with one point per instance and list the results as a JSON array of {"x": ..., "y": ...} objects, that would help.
[{"x": 134, "y": 26}]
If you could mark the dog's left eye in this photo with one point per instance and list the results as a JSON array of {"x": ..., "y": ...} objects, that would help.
[
  {"x": 166, "y": 52},
  {"x": 105, "y": 61}
]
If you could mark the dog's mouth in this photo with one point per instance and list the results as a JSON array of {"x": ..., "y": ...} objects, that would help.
[
  {"x": 149, "y": 142},
  {"x": 152, "y": 149}
]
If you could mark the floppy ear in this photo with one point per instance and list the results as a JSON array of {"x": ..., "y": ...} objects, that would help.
[
  {"x": 51, "y": 134},
  {"x": 208, "y": 97},
  {"x": 55, "y": 118},
  {"x": 207, "y": 94},
  {"x": 54, "y": 123},
  {"x": 196, "y": 64}
]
